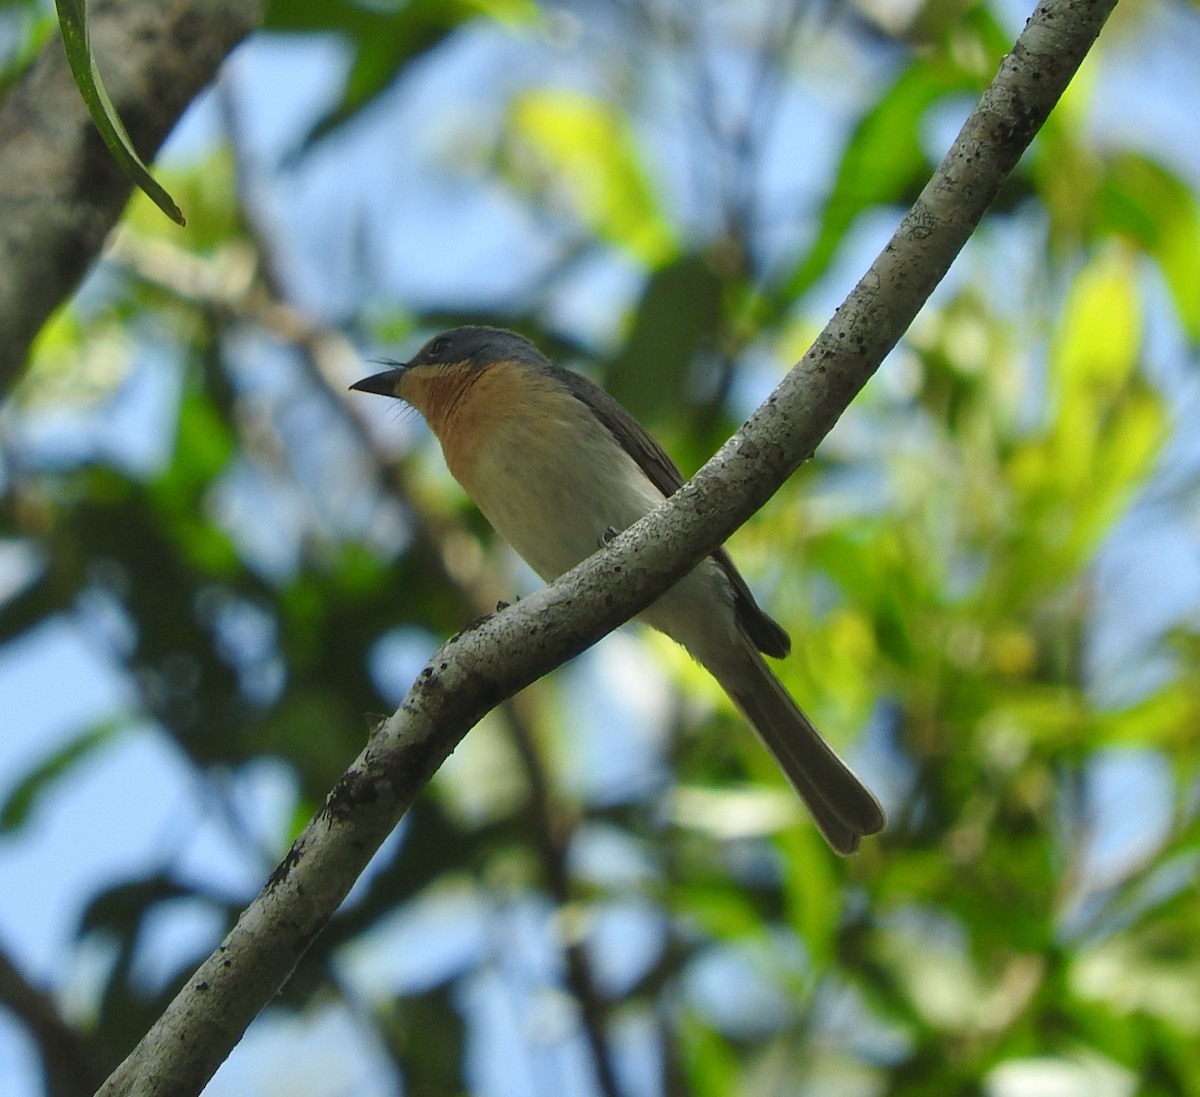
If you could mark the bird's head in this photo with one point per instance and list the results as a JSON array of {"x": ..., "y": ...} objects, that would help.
[
  {"x": 468, "y": 377},
  {"x": 452, "y": 360}
]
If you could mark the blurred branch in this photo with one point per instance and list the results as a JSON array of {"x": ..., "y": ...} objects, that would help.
[
  {"x": 61, "y": 191},
  {"x": 72, "y": 1064},
  {"x": 738, "y": 136},
  {"x": 475, "y": 670},
  {"x": 552, "y": 829}
]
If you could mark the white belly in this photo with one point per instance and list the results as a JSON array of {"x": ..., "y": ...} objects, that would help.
[
  {"x": 553, "y": 495},
  {"x": 555, "y": 511}
]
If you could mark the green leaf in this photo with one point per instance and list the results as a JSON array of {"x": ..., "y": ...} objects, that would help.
[
  {"x": 679, "y": 312},
  {"x": 1142, "y": 200},
  {"x": 883, "y": 162},
  {"x": 204, "y": 448},
  {"x": 431, "y": 1067},
  {"x": 72, "y": 16},
  {"x": 208, "y": 190},
  {"x": 712, "y": 1064},
  {"x": 1091, "y": 358},
  {"x": 384, "y": 41},
  {"x": 1131, "y": 438},
  {"x": 1109, "y": 425},
  {"x": 813, "y": 891},
  {"x": 584, "y": 149},
  {"x": 17, "y": 808},
  {"x": 1163, "y": 719},
  {"x": 1097, "y": 343}
]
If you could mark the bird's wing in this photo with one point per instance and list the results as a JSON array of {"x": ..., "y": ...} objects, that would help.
[{"x": 763, "y": 630}]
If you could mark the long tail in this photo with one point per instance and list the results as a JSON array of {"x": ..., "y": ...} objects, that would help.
[{"x": 841, "y": 805}]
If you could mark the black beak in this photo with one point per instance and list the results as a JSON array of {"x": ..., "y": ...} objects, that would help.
[{"x": 385, "y": 383}]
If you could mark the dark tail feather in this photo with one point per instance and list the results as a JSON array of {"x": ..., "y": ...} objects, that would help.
[{"x": 841, "y": 805}]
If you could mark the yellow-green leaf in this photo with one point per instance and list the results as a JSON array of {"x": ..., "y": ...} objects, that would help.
[
  {"x": 1144, "y": 201},
  {"x": 1091, "y": 359},
  {"x": 583, "y": 148},
  {"x": 1098, "y": 340}
]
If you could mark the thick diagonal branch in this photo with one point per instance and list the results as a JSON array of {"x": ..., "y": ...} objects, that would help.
[{"x": 475, "y": 670}]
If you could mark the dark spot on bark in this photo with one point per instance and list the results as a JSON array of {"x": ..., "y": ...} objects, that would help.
[
  {"x": 354, "y": 789},
  {"x": 284, "y": 869}
]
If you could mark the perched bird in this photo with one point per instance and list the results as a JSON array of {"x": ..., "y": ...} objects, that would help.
[{"x": 556, "y": 465}]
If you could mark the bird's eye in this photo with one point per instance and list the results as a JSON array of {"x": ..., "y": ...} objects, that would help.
[{"x": 439, "y": 347}]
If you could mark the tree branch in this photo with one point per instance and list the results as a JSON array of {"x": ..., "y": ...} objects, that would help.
[
  {"x": 61, "y": 191},
  {"x": 70, "y": 1062},
  {"x": 475, "y": 670}
]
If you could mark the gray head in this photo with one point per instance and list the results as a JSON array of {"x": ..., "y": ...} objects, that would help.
[
  {"x": 478, "y": 346},
  {"x": 473, "y": 347}
]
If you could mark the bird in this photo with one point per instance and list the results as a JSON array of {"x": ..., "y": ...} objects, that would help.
[{"x": 557, "y": 466}]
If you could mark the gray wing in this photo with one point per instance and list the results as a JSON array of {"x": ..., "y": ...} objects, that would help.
[{"x": 763, "y": 631}]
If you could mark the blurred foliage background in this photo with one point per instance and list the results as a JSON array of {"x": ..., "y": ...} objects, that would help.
[{"x": 215, "y": 562}]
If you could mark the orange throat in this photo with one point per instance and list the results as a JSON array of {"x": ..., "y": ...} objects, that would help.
[{"x": 464, "y": 407}]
